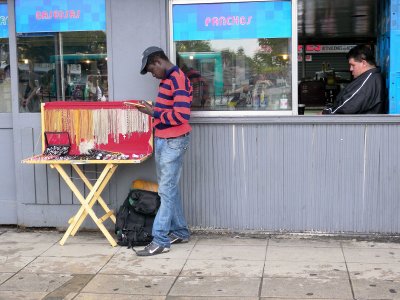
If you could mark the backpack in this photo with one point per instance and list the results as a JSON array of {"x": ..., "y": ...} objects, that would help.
[{"x": 135, "y": 218}]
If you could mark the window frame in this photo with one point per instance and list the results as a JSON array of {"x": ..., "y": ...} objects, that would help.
[
  {"x": 7, "y": 102},
  {"x": 294, "y": 62}
]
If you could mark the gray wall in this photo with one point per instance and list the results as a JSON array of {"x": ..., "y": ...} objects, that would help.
[{"x": 320, "y": 174}]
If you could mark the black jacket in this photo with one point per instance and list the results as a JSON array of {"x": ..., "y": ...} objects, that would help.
[{"x": 364, "y": 95}]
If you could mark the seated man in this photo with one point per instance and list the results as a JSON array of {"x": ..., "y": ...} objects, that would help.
[{"x": 366, "y": 94}]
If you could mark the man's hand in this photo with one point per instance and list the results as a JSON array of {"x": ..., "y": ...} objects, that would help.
[{"x": 147, "y": 109}]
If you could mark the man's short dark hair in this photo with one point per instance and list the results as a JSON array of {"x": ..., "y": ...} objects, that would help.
[
  {"x": 156, "y": 55},
  {"x": 362, "y": 52}
]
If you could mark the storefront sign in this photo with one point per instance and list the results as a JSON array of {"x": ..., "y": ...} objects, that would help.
[
  {"x": 239, "y": 20},
  {"x": 326, "y": 48},
  {"x": 3, "y": 21},
  {"x": 60, "y": 15}
]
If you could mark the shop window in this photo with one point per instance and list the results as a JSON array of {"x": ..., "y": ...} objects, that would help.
[
  {"x": 237, "y": 55},
  {"x": 5, "y": 81},
  {"x": 74, "y": 71},
  {"x": 62, "y": 53}
]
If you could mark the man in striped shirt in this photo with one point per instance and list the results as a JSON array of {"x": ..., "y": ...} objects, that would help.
[{"x": 171, "y": 114}]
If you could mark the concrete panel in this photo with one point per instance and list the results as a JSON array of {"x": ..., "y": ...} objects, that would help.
[
  {"x": 8, "y": 197},
  {"x": 215, "y": 287},
  {"x": 142, "y": 266},
  {"x": 27, "y": 171},
  {"x": 293, "y": 288},
  {"x": 376, "y": 289},
  {"x": 35, "y": 282},
  {"x": 127, "y": 284}
]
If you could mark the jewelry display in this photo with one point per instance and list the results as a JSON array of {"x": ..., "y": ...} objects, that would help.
[
  {"x": 56, "y": 150},
  {"x": 75, "y": 134},
  {"x": 97, "y": 124},
  {"x": 93, "y": 129},
  {"x": 57, "y": 143}
]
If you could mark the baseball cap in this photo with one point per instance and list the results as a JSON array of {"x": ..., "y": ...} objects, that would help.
[{"x": 146, "y": 53}]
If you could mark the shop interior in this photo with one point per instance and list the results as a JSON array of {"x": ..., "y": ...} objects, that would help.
[
  {"x": 335, "y": 26},
  {"x": 67, "y": 66}
]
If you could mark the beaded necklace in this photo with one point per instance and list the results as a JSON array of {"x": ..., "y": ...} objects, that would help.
[{"x": 96, "y": 124}]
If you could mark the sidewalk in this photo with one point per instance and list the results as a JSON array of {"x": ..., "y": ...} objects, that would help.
[{"x": 34, "y": 266}]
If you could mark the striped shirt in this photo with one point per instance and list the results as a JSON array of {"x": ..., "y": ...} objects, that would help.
[{"x": 172, "y": 108}]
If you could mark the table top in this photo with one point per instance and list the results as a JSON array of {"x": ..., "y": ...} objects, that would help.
[{"x": 43, "y": 159}]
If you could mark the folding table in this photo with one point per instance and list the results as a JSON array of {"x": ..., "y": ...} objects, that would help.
[{"x": 137, "y": 147}]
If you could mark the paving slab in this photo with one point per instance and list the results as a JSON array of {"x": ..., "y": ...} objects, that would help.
[
  {"x": 390, "y": 256},
  {"x": 17, "y": 295},
  {"x": 14, "y": 263},
  {"x": 87, "y": 238},
  {"x": 369, "y": 244},
  {"x": 376, "y": 289},
  {"x": 234, "y": 241},
  {"x": 228, "y": 268},
  {"x": 311, "y": 269},
  {"x": 71, "y": 288},
  {"x": 304, "y": 242},
  {"x": 30, "y": 236},
  {"x": 211, "y": 298},
  {"x": 35, "y": 282},
  {"x": 374, "y": 271},
  {"x": 91, "y": 296},
  {"x": 67, "y": 265},
  {"x": 208, "y": 267},
  {"x": 130, "y": 284},
  {"x": 80, "y": 250},
  {"x": 297, "y": 288},
  {"x": 5, "y": 276},
  {"x": 305, "y": 254},
  {"x": 128, "y": 263},
  {"x": 215, "y": 286},
  {"x": 69, "y": 296},
  {"x": 13, "y": 249},
  {"x": 218, "y": 252},
  {"x": 274, "y": 298}
]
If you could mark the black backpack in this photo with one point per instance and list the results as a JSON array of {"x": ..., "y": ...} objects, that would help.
[{"x": 135, "y": 218}]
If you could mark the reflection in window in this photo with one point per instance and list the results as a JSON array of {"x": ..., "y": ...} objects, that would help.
[
  {"x": 242, "y": 74},
  {"x": 5, "y": 80},
  {"x": 68, "y": 66}
]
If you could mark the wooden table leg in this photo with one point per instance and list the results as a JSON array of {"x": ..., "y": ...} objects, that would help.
[
  {"x": 85, "y": 207},
  {"x": 97, "y": 195}
]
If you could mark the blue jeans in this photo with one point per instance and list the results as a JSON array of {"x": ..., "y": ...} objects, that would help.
[{"x": 169, "y": 158}]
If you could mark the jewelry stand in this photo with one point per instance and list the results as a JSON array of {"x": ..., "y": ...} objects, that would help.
[{"x": 127, "y": 144}]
